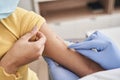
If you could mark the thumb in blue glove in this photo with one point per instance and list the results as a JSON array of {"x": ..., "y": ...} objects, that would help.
[
  {"x": 58, "y": 72},
  {"x": 100, "y": 49}
]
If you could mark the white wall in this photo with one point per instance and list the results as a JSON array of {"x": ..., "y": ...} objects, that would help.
[
  {"x": 74, "y": 29},
  {"x": 26, "y": 4}
]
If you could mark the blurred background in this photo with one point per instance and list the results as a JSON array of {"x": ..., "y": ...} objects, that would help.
[{"x": 71, "y": 19}]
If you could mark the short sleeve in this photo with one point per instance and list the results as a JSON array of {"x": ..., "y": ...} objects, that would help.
[
  {"x": 22, "y": 21},
  {"x": 6, "y": 76},
  {"x": 30, "y": 20}
]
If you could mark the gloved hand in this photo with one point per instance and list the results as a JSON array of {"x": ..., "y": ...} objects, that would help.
[
  {"x": 58, "y": 72},
  {"x": 100, "y": 49}
]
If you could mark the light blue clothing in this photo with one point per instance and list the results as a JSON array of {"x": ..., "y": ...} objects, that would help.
[
  {"x": 7, "y": 7},
  {"x": 100, "y": 49},
  {"x": 58, "y": 72},
  {"x": 97, "y": 47}
]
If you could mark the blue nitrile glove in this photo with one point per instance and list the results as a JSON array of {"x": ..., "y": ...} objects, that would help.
[
  {"x": 58, "y": 72},
  {"x": 100, "y": 49}
]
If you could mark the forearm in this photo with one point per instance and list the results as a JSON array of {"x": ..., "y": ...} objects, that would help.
[
  {"x": 70, "y": 59},
  {"x": 57, "y": 50}
]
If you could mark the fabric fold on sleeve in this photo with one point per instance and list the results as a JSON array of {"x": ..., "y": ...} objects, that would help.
[{"x": 5, "y": 76}]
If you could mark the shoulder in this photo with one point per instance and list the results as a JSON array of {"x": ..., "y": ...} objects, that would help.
[
  {"x": 28, "y": 19},
  {"x": 26, "y": 14},
  {"x": 22, "y": 21}
]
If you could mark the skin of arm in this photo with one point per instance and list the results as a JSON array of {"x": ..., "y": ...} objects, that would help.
[{"x": 56, "y": 49}]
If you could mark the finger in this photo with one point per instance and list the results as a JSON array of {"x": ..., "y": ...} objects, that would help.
[
  {"x": 82, "y": 45},
  {"x": 39, "y": 35},
  {"x": 100, "y": 35},
  {"x": 89, "y": 45},
  {"x": 91, "y": 54},
  {"x": 41, "y": 39},
  {"x": 50, "y": 62},
  {"x": 30, "y": 34},
  {"x": 87, "y": 53},
  {"x": 91, "y": 37},
  {"x": 94, "y": 35}
]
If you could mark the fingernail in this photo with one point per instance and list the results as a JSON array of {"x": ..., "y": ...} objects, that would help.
[{"x": 35, "y": 29}]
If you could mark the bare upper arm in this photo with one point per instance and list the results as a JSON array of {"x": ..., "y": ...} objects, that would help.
[
  {"x": 56, "y": 49},
  {"x": 52, "y": 39},
  {"x": 47, "y": 31}
]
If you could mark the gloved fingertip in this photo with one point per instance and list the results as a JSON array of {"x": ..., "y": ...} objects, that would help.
[
  {"x": 72, "y": 45},
  {"x": 97, "y": 33},
  {"x": 91, "y": 37}
]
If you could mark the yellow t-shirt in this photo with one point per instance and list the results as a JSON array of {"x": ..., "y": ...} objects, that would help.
[{"x": 11, "y": 29}]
